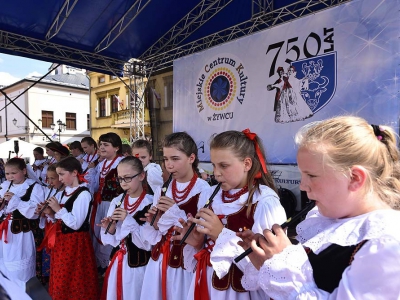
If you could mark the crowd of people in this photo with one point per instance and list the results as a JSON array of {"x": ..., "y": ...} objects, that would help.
[{"x": 106, "y": 209}]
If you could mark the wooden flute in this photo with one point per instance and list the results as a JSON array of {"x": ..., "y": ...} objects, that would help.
[
  {"x": 118, "y": 205},
  {"x": 48, "y": 197},
  {"x": 6, "y": 202},
  {"x": 163, "y": 191},
  {"x": 287, "y": 223},
  {"x": 208, "y": 203}
]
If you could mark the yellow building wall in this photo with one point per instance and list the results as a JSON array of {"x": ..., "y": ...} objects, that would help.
[
  {"x": 158, "y": 98},
  {"x": 162, "y": 112},
  {"x": 103, "y": 85}
]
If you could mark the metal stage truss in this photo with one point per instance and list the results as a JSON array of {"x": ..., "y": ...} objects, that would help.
[
  {"x": 160, "y": 55},
  {"x": 263, "y": 17},
  {"x": 171, "y": 45},
  {"x": 61, "y": 54}
]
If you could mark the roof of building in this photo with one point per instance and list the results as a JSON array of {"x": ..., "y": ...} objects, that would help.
[
  {"x": 75, "y": 80},
  {"x": 79, "y": 81}
]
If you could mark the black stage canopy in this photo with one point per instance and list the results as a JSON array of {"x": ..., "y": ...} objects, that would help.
[{"x": 103, "y": 35}]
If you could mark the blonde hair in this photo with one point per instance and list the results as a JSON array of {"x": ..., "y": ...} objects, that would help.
[
  {"x": 347, "y": 141},
  {"x": 243, "y": 147}
]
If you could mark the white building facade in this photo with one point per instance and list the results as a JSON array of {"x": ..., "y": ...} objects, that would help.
[{"x": 59, "y": 105}]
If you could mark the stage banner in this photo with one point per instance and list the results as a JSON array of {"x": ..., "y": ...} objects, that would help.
[
  {"x": 288, "y": 177},
  {"x": 339, "y": 61}
]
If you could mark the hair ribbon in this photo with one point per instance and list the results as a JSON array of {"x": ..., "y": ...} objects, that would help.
[
  {"x": 252, "y": 136},
  {"x": 81, "y": 178},
  {"x": 377, "y": 131}
]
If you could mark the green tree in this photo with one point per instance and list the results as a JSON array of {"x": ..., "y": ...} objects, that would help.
[{"x": 125, "y": 141}]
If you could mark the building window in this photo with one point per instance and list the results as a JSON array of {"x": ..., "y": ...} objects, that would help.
[
  {"x": 114, "y": 103},
  {"x": 88, "y": 121},
  {"x": 47, "y": 119},
  {"x": 112, "y": 77},
  {"x": 168, "y": 91},
  {"x": 70, "y": 120},
  {"x": 102, "y": 79},
  {"x": 102, "y": 108}
]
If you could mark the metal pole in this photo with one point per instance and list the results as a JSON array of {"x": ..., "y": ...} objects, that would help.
[
  {"x": 130, "y": 110},
  {"x": 136, "y": 108},
  {"x": 5, "y": 106}
]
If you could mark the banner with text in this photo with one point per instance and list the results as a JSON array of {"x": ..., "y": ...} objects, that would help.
[{"x": 343, "y": 60}]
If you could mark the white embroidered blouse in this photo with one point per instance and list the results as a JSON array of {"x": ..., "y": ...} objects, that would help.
[{"x": 373, "y": 274}]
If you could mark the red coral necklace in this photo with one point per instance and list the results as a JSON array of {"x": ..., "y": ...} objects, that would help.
[
  {"x": 88, "y": 159},
  {"x": 132, "y": 207},
  {"x": 182, "y": 195},
  {"x": 235, "y": 196},
  {"x": 73, "y": 192},
  {"x": 105, "y": 169}
]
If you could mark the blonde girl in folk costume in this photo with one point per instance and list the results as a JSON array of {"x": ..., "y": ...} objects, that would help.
[
  {"x": 247, "y": 199},
  {"x": 124, "y": 281},
  {"x": 54, "y": 188},
  {"x": 142, "y": 150},
  {"x": 19, "y": 197},
  {"x": 89, "y": 162},
  {"x": 350, "y": 243},
  {"x": 73, "y": 273},
  {"x": 110, "y": 146},
  {"x": 165, "y": 276}
]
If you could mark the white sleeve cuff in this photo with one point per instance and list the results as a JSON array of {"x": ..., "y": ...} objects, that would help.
[
  {"x": 152, "y": 235},
  {"x": 63, "y": 211},
  {"x": 171, "y": 218},
  {"x": 224, "y": 251},
  {"x": 287, "y": 274},
  {"x": 250, "y": 278},
  {"x": 128, "y": 225}
]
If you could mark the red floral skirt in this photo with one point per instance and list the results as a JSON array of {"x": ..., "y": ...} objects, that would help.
[{"x": 73, "y": 273}]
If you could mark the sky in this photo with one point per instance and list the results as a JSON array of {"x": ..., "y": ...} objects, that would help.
[{"x": 15, "y": 68}]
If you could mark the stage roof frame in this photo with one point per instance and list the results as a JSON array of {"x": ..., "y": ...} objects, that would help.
[{"x": 104, "y": 35}]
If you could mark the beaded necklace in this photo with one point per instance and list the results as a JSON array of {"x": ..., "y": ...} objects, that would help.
[
  {"x": 235, "y": 196},
  {"x": 185, "y": 192},
  {"x": 73, "y": 192},
  {"x": 88, "y": 160},
  {"x": 105, "y": 169},
  {"x": 132, "y": 207}
]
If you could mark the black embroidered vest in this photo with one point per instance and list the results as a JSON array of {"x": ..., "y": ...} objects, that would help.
[
  {"x": 137, "y": 257},
  {"x": 147, "y": 187},
  {"x": 234, "y": 222},
  {"x": 111, "y": 188},
  {"x": 329, "y": 265},
  {"x": 69, "y": 204},
  {"x": 176, "y": 253},
  {"x": 19, "y": 222}
]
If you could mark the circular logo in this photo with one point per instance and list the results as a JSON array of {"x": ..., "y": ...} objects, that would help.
[{"x": 220, "y": 88}]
